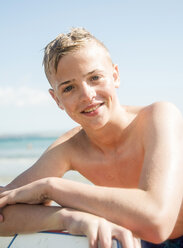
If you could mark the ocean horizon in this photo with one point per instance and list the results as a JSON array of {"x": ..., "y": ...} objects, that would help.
[{"x": 18, "y": 152}]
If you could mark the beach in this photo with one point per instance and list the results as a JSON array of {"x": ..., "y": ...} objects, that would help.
[{"x": 18, "y": 153}]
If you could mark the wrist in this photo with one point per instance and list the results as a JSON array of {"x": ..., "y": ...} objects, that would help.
[
  {"x": 53, "y": 189},
  {"x": 63, "y": 219},
  {"x": 43, "y": 186},
  {"x": 59, "y": 219},
  {"x": 72, "y": 221},
  {"x": 48, "y": 188}
]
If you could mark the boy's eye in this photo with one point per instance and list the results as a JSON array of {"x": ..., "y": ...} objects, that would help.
[
  {"x": 68, "y": 88},
  {"x": 94, "y": 78}
]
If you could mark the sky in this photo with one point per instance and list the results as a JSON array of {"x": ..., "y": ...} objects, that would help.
[{"x": 145, "y": 39}]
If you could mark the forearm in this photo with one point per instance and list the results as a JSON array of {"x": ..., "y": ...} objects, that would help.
[
  {"x": 34, "y": 218},
  {"x": 134, "y": 209},
  {"x": 26, "y": 177},
  {"x": 22, "y": 179},
  {"x": 100, "y": 201},
  {"x": 23, "y": 218}
]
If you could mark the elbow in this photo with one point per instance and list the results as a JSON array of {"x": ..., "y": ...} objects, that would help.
[
  {"x": 160, "y": 232},
  {"x": 158, "y": 228}
]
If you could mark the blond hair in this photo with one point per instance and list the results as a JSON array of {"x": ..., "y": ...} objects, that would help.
[{"x": 64, "y": 44}]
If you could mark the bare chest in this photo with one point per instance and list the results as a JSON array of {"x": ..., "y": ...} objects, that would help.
[{"x": 117, "y": 170}]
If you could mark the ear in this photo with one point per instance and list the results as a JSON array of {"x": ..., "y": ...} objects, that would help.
[
  {"x": 116, "y": 76},
  {"x": 53, "y": 95}
]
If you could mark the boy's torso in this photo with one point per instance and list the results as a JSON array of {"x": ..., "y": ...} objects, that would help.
[{"x": 119, "y": 167}]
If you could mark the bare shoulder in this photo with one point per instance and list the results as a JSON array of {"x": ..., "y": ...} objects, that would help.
[
  {"x": 160, "y": 112},
  {"x": 55, "y": 161},
  {"x": 154, "y": 109},
  {"x": 156, "y": 114},
  {"x": 162, "y": 106},
  {"x": 161, "y": 119},
  {"x": 65, "y": 138}
]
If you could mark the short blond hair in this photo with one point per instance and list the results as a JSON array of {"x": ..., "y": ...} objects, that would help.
[{"x": 64, "y": 44}]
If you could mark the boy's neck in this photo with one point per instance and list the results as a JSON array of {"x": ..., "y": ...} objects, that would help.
[{"x": 113, "y": 134}]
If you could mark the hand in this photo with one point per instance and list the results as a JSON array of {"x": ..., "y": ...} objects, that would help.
[
  {"x": 104, "y": 231},
  {"x": 33, "y": 193},
  {"x": 99, "y": 230}
]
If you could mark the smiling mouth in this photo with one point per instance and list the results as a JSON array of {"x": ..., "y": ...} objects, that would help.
[{"x": 92, "y": 109}]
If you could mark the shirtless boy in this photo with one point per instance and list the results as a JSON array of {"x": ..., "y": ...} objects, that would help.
[{"x": 132, "y": 155}]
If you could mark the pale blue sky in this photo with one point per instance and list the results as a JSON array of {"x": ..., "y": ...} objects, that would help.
[{"x": 145, "y": 39}]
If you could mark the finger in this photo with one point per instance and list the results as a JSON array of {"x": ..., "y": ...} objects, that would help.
[
  {"x": 93, "y": 241},
  {"x": 126, "y": 239},
  {"x": 137, "y": 243},
  {"x": 3, "y": 201},
  {"x": 92, "y": 234},
  {"x": 3, "y": 193},
  {"x": 7, "y": 198},
  {"x": 105, "y": 236}
]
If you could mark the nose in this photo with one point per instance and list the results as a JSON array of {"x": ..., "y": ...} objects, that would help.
[{"x": 87, "y": 92}]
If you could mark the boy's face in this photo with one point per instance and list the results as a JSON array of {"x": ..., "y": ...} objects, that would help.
[{"x": 84, "y": 86}]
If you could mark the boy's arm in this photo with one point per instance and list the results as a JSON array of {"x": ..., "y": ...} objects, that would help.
[
  {"x": 53, "y": 163},
  {"x": 22, "y": 218}
]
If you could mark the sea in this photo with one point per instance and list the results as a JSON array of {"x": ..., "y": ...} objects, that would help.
[{"x": 19, "y": 152}]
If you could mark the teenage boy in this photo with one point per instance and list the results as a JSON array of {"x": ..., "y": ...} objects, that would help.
[{"x": 132, "y": 155}]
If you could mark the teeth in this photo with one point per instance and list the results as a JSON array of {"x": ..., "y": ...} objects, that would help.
[{"x": 91, "y": 109}]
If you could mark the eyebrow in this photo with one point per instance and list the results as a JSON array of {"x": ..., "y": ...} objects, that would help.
[
  {"x": 69, "y": 81},
  {"x": 66, "y": 82}
]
